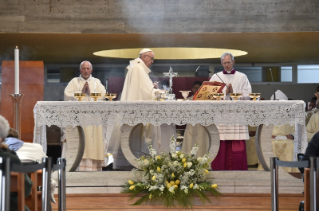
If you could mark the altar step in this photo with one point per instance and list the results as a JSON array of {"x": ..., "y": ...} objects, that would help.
[
  {"x": 228, "y": 182},
  {"x": 228, "y": 201}
]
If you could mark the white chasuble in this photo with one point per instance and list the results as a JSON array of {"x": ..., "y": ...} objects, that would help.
[
  {"x": 240, "y": 84},
  {"x": 138, "y": 86},
  {"x": 312, "y": 126},
  {"x": 94, "y": 143}
]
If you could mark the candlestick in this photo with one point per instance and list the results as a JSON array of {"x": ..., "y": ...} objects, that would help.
[
  {"x": 16, "y": 100},
  {"x": 16, "y": 70}
]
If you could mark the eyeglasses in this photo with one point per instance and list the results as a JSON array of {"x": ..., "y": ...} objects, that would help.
[{"x": 152, "y": 58}]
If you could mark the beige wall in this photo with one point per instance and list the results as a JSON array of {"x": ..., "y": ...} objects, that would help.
[{"x": 158, "y": 16}]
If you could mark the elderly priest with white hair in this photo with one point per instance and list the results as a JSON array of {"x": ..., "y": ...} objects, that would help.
[
  {"x": 232, "y": 150},
  {"x": 94, "y": 155},
  {"x": 138, "y": 86}
]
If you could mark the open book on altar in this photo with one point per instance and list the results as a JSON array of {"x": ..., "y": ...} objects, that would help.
[{"x": 207, "y": 89}]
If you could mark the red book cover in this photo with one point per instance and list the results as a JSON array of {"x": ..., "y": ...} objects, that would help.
[{"x": 207, "y": 89}]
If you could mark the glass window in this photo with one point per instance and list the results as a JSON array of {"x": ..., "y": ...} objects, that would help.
[
  {"x": 286, "y": 74},
  {"x": 53, "y": 75},
  {"x": 308, "y": 73}
]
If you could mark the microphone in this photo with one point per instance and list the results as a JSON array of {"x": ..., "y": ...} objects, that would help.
[
  {"x": 272, "y": 78},
  {"x": 223, "y": 82}
]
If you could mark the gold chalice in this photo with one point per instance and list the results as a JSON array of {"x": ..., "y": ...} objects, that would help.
[
  {"x": 79, "y": 95},
  {"x": 95, "y": 95},
  {"x": 185, "y": 94},
  {"x": 254, "y": 96},
  {"x": 110, "y": 96},
  {"x": 158, "y": 95},
  {"x": 218, "y": 96},
  {"x": 235, "y": 96}
]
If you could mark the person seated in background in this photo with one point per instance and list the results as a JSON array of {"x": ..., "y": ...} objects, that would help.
[
  {"x": 5, "y": 152},
  {"x": 27, "y": 152},
  {"x": 312, "y": 149},
  {"x": 195, "y": 87},
  {"x": 311, "y": 109},
  {"x": 252, "y": 158}
]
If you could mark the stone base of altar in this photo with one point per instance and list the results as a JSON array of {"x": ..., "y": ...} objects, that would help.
[
  {"x": 228, "y": 182},
  {"x": 228, "y": 201}
]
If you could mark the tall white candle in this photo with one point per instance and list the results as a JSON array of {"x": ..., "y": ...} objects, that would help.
[{"x": 16, "y": 70}]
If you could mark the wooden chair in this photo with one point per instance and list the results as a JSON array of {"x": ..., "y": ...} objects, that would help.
[
  {"x": 38, "y": 178},
  {"x": 4, "y": 184},
  {"x": 307, "y": 189}
]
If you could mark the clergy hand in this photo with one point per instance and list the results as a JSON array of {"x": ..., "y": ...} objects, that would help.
[
  {"x": 155, "y": 84},
  {"x": 229, "y": 89},
  {"x": 86, "y": 88}
]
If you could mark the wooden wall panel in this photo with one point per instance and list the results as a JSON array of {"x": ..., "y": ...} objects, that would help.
[{"x": 31, "y": 80}]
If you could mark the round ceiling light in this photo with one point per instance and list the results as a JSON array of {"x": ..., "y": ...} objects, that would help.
[{"x": 171, "y": 53}]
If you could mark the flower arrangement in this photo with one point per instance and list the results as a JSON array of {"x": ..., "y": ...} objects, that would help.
[{"x": 171, "y": 179}]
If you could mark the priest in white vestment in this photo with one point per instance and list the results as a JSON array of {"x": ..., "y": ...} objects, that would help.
[
  {"x": 138, "y": 86},
  {"x": 94, "y": 155},
  {"x": 232, "y": 151}
]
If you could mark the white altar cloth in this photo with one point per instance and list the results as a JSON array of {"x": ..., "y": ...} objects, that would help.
[{"x": 253, "y": 113}]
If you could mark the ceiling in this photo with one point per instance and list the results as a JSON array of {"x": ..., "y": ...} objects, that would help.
[{"x": 299, "y": 47}]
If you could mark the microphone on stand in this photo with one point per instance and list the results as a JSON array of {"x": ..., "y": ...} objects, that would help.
[{"x": 272, "y": 78}]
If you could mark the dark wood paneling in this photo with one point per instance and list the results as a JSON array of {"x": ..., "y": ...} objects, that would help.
[{"x": 31, "y": 80}]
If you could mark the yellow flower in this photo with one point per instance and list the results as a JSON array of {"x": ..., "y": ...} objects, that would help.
[
  {"x": 150, "y": 196},
  {"x": 167, "y": 182},
  {"x": 185, "y": 165},
  {"x": 131, "y": 182},
  {"x": 154, "y": 177},
  {"x": 158, "y": 169},
  {"x": 214, "y": 185},
  {"x": 206, "y": 171},
  {"x": 132, "y": 187},
  {"x": 177, "y": 182},
  {"x": 168, "y": 185},
  {"x": 173, "y": 175},
  {"x": 184, "y": 160},
  {"x": 158, "y": 157},
  {"x": 191, "y": 185},
  {"x": 175, "y": 186},
  {"x": 172, "y": 183}
]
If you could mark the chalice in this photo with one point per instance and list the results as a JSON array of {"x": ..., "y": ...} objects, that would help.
[
  {"x": 185, "y": 94},
  {"x": 254, "y": 96},
  {"x": 79, "y": 95},
  {"x": 95, "y": 95},
  {"x": 218, "y": 96},
  {"x": 235, "y": 96},
  {"x": 110, "y": 96},
  {"x": 158, "y": 95}
]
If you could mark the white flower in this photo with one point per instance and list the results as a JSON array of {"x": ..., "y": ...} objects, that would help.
[
  {"x": 171, "y": 189},
  {"x": 194, "y": 150},
  {"x": 172, "y": 145},
  {"x": 146, "y": 162},
  {"x": 162, "y": 188},
  {"x": 184, "y": 188},
  {"x": 174, "y": 155},
  {"x": 196, "y": 186},
  {"x": 199, "y": 159},
  {"x": 181, "y": 156},
  {"x": 189, "y": 164},
  {"x": 155, "y": 187}
]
